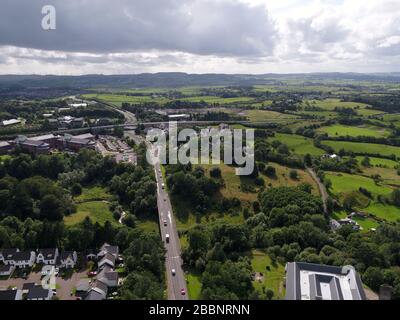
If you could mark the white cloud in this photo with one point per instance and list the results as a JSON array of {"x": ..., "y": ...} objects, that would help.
[{"x": 230, "y": 36}]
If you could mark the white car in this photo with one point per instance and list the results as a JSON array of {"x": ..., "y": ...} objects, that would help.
[{"x": 173, "y": 272}]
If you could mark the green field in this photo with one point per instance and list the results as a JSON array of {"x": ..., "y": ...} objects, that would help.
[
  {"x": 363, "y": 148},
  {"x": 273, "y": 278},
  {"x": 331, "y": 104},
  {"x": 379, "y": 162},
  {"x": 97, "y": 211},
  {"x": 117, "y": 99},
  {"x": 193, "y": 280},
  {"x": 344, "y": 183},
  {"x": 386, "y": 212},
  {"x": 298, "y": 144},
  {"x": 264, "y": 115},
  {"x": 92, "y": 194},
  {"x": 341, "y": 131}
]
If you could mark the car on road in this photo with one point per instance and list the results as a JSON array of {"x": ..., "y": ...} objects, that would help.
[
  {"x": 165, "y": 222},
  {"x": 173, "y": 272},
  {"x": 162, "y": 185},
  {"x": 183, "y": 292},
  {"x": 167, "y": 238}
]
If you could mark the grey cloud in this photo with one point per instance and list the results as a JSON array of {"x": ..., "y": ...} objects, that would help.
[{"x": 195, "y": 26}]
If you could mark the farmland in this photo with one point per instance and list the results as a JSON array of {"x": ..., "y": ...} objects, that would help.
[
  {"x": 299, "y": 144},
  {"x": 364, "y": 148},
  {"x": 353, "y": 131}
]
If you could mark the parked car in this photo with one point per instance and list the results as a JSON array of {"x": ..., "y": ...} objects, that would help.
[{"x": 92, "y": 273}]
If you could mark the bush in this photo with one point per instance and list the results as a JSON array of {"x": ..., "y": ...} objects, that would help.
[{"x": 293, "y": 175}]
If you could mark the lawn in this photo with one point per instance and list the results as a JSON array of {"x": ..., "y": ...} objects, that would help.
[
  {"x": 386, "y": 212},
  {"x": 344, "y": 183},
  {"x": 273, "y": 278},
  {"x": 388, "y": 175},
  {"x": 265, "y": 115},
  {"x": 353, "y": 131},
  {"x": 95, "y": 193},
  {"x": 298, "y": 144},
  {"x": 379, "y": 162},
  {"x": 98, "y": 211},
  {"x": 364, "y": 148},
  {"x": 193, "y": 280}
]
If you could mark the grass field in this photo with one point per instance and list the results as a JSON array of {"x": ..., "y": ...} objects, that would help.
[
  {"x": 264, "y": 115},
  {"x": 341, "y": 130},
  {"x": 298, "y": 144},
  {"x": 273, "y": 278},
  {"x": 219, "y": 100},
  {"x": 376, "y": 162},
  {"x": 193, "y": 281},
  {"x": 343, "y": 183},
  {"x": 93, "y": 203},
  {"x": 331, "y": 104},
  {"x": 364, "y": 148},
  {"x": 389, "y": 176},
  {"x": 98, "y": 211},
  {"x": 117, "y": 99},
  {"x": 386, "y": 212}
]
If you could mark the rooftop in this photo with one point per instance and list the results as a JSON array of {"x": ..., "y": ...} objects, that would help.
[{"x": 307, "y": 281}]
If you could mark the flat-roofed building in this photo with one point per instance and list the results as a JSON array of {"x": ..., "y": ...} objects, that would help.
[
  {"x": 72, "y": 143},
  {"x": 32, "y": 146},
  {"x": 5, "y": 147},
  {"x": 307, "y": 281}
]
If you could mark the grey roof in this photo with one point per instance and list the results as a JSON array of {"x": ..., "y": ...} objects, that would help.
[
  {"x": 48, "y": 254},
  {"x": 37, "y": 292},
  {"x": 34, "y": 143},
  {"x": 5, "y": 267},
  {"x": 8, "y": 294},
  {"x": 94, "y": 295},
  {"x": 4, "y": 144},
  {"x": 319, "y": 275},
  {"x": 65, "y": 254},
  {"x": 8, "y": 253},
  {"x": 28, "y": 285},
  {"x": 22, "y": 256}
]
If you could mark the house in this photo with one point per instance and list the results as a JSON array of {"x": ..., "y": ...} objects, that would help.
[
  {"x": 107, "y": 260},
  {"x": 7, "y": 254},
  {"x": 10, "y": 122},
  {"x": 83, "y": 285},
  {"x": 10, "y": 295},
  {"x": 23, "y": 259},
  {"x": 308, "y": 281},
  {"x": 38, "y": 293},
  {"x": 5, "y": 147},
  {"x": 106, "y": 248},
  {"x": 108, "y": 276},
  {"x": 47, "y": 256},
  {"x": 68, "y": 259},
  {"x": 98, "y": 291},
  {"x": 27, "y": 286},
  {"x": 91, "y": 255},
  {"x": 6, "y": 270},
  {"x": 348, "y": 221}
]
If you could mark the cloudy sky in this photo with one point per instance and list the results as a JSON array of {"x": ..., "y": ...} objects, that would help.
[{"x": 200, "y": 36}]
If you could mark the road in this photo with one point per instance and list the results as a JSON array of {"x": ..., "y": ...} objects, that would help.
[
  {"x": 177, "y": 282},
  {"x": 322, "y": 189}
]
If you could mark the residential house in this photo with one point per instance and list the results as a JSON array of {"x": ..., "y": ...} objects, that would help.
[
  {"x": 106, "y": 248},
  {"x": 47, "y": 256},
  {"x": 38, "y": 293},
  {"x": 68, "y": 259},
  {"x": 10, "y": 295},
  {"x": 6, "y": 270},
  {"x": 308, "y": 281},
  {"x": 5, "y": 147},
  {"x": 7, "y": 254},
  {"x": 98, "y": 291},
  {"x": 23, "y": 259},
  {"x": 108, "y": 276},
  {"x": 107, "y": 260}
]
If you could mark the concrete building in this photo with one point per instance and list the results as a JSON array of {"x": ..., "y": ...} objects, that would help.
[
  {"x": 307, "y": 281},
  {"x": 32, "y": 146}
]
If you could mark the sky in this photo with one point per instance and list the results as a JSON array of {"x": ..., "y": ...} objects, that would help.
[{"x": 200, "y": 36}]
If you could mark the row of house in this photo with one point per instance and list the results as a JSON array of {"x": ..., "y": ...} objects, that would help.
[
  {"x": 30, "y": 290},
  {"x": 14, "y": 258},
  {"x": 107, "y": 278}
]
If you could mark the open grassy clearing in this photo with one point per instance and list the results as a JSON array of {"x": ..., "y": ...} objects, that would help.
[
  {"x": 94, "y": 193},
  {"x": 386, "y": 212},
  {"x": 219, "y": 100},
  {"x": 338, "y": 130},
  {"x": 389, "y": 176},
  {"x": 273, "y": 274},
  {"x": 379, "y": 162},
  {"x": 344, "y": 183},
  {"x": 283, "y": 179},
  {"x": 97, "y": 211},
  {"x": 117, "y": 100},
  {"x": 331, "y": 104},
  {"x": 265, "y": 115},
  {"x": 298, "y": 144},
  {"x": 363, "y": 148},
  {"x": 193, "y": 281}
]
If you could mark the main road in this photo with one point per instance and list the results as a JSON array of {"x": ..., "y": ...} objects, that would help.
[{"x": 176, "y": 282}]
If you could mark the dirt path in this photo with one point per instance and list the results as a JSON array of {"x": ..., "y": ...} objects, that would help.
[{"x": 321, "y": 187}]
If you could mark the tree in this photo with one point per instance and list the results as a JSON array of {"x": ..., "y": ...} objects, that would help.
[
  {"x": 308, "y": 160},
  {"x": 395, "y": 197},
  {"x": 215, "y": 172},
  {"x": 373, "y": 277},
  {"x": 366, "y": 162},
  {"x": 51, "y": 208},
  {"x": 269, "y": 294},
  {"x": 76, "y": 189},
  {"x": 270, "y": 171},
  {"x": 293, "y": 175}
]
